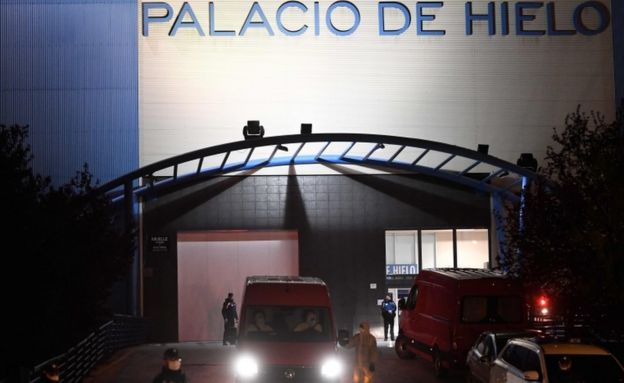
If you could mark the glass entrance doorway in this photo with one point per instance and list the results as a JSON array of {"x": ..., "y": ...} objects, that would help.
[{"x": 396, "y": 294}]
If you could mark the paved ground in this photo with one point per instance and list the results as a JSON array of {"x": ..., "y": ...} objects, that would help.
[{"x": 209, "y": 362}]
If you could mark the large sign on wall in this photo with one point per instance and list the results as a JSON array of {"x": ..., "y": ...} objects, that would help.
[{"x": 459, "y": 72}]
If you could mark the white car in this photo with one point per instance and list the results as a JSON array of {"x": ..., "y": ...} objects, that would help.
[
  {"x": 484, "y": 351},
  {"x": 523, "y": 360}
]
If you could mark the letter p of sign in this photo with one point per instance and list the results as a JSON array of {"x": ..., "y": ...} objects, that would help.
[{"x": 149, "y": 9}]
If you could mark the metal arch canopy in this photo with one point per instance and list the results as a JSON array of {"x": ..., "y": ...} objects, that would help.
[{"x": 129, "y": 185}]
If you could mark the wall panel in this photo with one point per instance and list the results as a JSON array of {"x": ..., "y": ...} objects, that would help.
[{"x": 68, "y": 69}]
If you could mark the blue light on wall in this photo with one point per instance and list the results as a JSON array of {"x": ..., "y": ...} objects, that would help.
[{"x": 69, "y": 71}]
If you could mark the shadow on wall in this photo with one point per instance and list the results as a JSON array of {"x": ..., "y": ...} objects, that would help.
[
  {"x": 296, "y": 216},
  {"x": 424, "y": 200},
  {"x": 180, "y": 206}
]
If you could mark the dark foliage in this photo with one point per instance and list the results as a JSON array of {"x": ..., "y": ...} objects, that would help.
[
  {"x": 569, "y": 242},
  {"x": 64, "y": 247}
]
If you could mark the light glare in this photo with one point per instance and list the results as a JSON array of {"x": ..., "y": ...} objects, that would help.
[
  {"x": 246, "y": 366},
  {"x": 331, "y": 369}
]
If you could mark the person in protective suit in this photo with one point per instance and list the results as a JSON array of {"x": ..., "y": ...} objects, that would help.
[
  {"x": 172, "y": 368},
  {"x": 366, "y": 354},
  {"x": 388, "y": 312}
]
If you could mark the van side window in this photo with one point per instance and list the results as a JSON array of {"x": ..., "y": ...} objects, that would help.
[
  {"x": 492, "y": 309},
  {"x": 474, "y": 309},
  {"x": 411, "y": 299}
]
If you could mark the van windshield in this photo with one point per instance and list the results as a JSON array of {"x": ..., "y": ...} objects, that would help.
[
  {"x": 287, "y": 324},
  {"x": 492, "y": 309}
]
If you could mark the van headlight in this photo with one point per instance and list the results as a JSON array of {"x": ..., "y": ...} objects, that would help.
[
  {"x": 246, "y": 366},
  {"x": 331, "y": 368}
]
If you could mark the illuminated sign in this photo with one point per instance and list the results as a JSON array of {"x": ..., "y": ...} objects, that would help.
[
  {"x": 159, "y": 243},
  {"x": 401, "y": 269},
  {"x": 424, "y": 22},
  {"x": 500, "y": 73}
]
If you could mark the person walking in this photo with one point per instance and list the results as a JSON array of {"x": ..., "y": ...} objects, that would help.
[
  {"x": 388, "y": 312},
  {"x": 172, "y": 368},
  {"x": 366, "y": 354},
  {"x": 230, "y": 318}
]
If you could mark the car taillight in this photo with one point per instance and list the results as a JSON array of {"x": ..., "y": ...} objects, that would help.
[{"x": 543, "y": 305}]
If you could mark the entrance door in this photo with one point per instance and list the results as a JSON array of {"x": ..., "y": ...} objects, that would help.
[
  {"x": 396, "y": 294},
  {"x": 213, "y": 263}
]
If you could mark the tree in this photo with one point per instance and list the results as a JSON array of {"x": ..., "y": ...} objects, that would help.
[
  {"x": 569, "y": 241},
  {"x": 69, "y": 247}
]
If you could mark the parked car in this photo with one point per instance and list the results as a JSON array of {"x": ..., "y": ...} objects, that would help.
[
  {"x": 485, "y": 350},
  {"x": 287, "y": 332},
  {"x": 447, "y": 309},
  {"x": 524, "y": 360}
]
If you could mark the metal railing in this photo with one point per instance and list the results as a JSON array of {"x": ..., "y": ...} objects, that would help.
[
  {"x": 395, "y": 154},
  {"x": 120, "y": 332}
]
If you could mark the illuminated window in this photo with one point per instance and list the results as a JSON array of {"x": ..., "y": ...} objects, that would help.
[
  {"x": 472, "y": 248},
  {"x": 402, "y": 252},
  {"x": 437, "y": 248}
]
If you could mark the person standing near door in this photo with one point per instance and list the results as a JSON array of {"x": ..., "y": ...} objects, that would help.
[
  {"x": 388, "y": 312},
  {"x": 230, "y": 318}
]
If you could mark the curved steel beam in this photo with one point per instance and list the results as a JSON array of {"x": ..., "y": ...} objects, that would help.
[{"x": 129, "y": 185}]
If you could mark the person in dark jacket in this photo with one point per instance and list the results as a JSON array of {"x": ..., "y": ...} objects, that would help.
[
  {"x": 388, "y": 312},
  {"x": 230, "y": 318},
  {"x": 172, "y": 368}
]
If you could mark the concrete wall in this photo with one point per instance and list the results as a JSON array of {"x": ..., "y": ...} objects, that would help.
[{"x": 341, "y": 221}]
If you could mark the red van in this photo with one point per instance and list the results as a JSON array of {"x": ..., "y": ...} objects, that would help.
[
  {"x": 286, "y": 332},
  {"x": 447, "y": 309}
]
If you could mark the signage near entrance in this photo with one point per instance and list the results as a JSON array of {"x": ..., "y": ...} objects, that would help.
[
  {"x": 399, "y": 269},
  {"x": 159, "y": 243},
  {"x": 299, "y": 14},
  {"x": 497, "y": 73}
]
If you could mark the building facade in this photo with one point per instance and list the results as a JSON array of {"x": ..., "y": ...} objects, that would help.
[{"x": 122, "y": 84}]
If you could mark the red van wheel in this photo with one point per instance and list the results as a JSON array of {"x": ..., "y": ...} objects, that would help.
[
  {"x": 400, "y": 347},
  {"x": 438, "y": 369}
]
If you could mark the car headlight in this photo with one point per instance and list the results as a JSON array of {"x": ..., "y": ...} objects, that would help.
[
  {"x": 331, "y": 368},
  {"x": 246, "y": 366}
]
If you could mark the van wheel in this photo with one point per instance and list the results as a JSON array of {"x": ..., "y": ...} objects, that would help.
[
  {"x": 400, "y": 347},
  {"x": 438, "y": 370}
]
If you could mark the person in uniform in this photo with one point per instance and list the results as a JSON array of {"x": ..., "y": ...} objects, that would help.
[
  {"x": 230, "y": 319},
  {"x": 172, "y": 368},
  {"x": 388, "y": 312}
]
